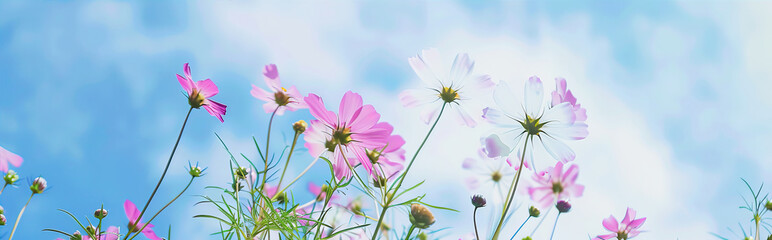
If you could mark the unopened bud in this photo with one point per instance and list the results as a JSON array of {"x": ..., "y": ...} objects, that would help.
[
  {"x": 11, "y": 177},
  {"x": 379, "y": 182},
  {"x": 2, "y": 220},
  {"x": 91, "y": 230},
  {"x": 38, "y": 185},
  {"x": 423, "y": 236},
  {"x": 534, "y": 212},
  {"x": 563, "y": 206},
  {"x": 300, "y": 126},
  {"x": 76, "y": 236},
  {"x": 768, "y": 206},
  {"x": 100, "y": 213},
  {"x": 420, "y": 216},
  {"x": 195, "y": 171},
  {"x": 2, "y": 210},
  {"x": 241, "y": 173},
  {"x": 528, "y": 238},
  {"x": 478, "y": 201}
]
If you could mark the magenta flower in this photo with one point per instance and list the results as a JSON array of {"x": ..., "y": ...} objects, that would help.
[
  {"x": 350, "y": 133},
  {"x": 277, "y": 98},
  {"x": 388, "y": 160},
  {"x": 9, "y": 157},
  {"x": 627, "y": 229},
  {"x": 555, "y": 185},
  {"x": 200, "y": 92},
  {"x": 319, "y": 192},
  {"x": 563, "y": 94},
  {"x": 454, "y": 88},
  {"x": 134, "y": 224}
]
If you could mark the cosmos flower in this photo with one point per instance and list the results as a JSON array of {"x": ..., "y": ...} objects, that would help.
[
  {"x": 277, "y": 98},
  {"x": 132, "y": 213},
  {"x": 563, "y": 94},
  {"x": 626, "y": 229},
  {"x": 388, "y": 160},
  {"x": 541, "y": 127},
  {"x": 350, "y": 133},
  {"x": 489, "y": 174},
  {"x": 9, "y": 157},
  {"x": 199, "y": 93},
  {"x": 555, "y": 185},
  {"x": 454, "y": 87}
]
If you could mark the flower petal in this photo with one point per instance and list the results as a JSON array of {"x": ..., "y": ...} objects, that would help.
[
  {"x": 131, "y": 210},
  {"x": 9, "y": 157},
  {"x": 186, "y": 84},
  {"x": 317, "y": 109},
  {"x": 464, "y": 117},
  {"x": 534, "y": 96},
  {"x": 500, "y": 119},
  {"x": 556, "y": 148},
  {"x": 629, "y": 216},
  {"x": 271, "y": 76},
  {"x": 349, "y": 106},
  {"x": 432, "y": 58},
  {"x": 366, "y": 119},
  {"x": 215, "y": 109},
  {"x": 611, "y": 224},
  {"x": 461, "y": 68},
  {"x": 414, "y": 97},
  {"x": 207, "y": 88},
  {"x": 506, "y": 98},
  {"x": 494, "y": 147},
  {"x": 261, "y": 94}
]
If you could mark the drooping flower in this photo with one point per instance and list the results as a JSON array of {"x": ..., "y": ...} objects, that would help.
[
  {"x": 135, "y": 224},
  {"x": 542, "y": 128},
  {"x": 453, "y": 88},
  {"x": 9, "y": 157},
  {"x": 199, "y": 93},
  {"x": 347, "y": 135},
  {"x": 555, "y": 185},
  {"x": 626, "y": 229},
  {"x": 277, "y": 98}
]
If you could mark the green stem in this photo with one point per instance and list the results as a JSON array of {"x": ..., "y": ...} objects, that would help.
[
  {"x": 19, "y": 217},
  {"x": 267, "y": 144},
  {"x": 512, "y": 190},
  {"x": 1, "y": 189},
  {"x": 541, "y": 221},
  {"x": 521, "y": 227},
  {"x": 292, "y": 149},
  {"x": 404, "y": 174},
  {"x": 300, "y": 175},
  {"x": 412, "y": 227},
  {"x": 758, "y": 231},
  {"x": 165, "y": 206},
  {"x": 554, "y": 226},
  {"x": 165, "y": 170},
  {"x": 474, "y": 220}
]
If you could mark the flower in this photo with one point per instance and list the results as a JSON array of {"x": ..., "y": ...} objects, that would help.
[
  {"x": 563, "y": 206},
  {"x": 100, "y": 213},
  {"x": 135, "y": 224},
  {"x": 489, "y": 174},
  {"x": 534, "y": 212},
  {"x": 9, "y": 157},
  {"x": 388, "y": 160},
  {"x": 556, "y": 184},
  {"x": 199, "y": 93},
  {"x": 299, "y": 126},
  {"x": 627, "y": 229},
  {"x": 420, "y": 216},
  {"x": 320, "y": 191},
  {"x": 347, "y": 135},
  {"x": 478, "y": 201},
  {"x": 195, "y": 171},
  {"x": 532, "y": 123},
  {"x": 453, "y": 88},
  {"x": 277, "y": 98},
  {"x": 38, "y": 185},
  {"x": 563, "y": 94},
  {"x": 11, "y": 177}
]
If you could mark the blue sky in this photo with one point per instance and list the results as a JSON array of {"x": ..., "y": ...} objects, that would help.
[{"x": 675, "y": 92}]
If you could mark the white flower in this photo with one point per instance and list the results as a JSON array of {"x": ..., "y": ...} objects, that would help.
[
  {"x": 452, "y": 88},
  {"x": 543, "y": 126}
]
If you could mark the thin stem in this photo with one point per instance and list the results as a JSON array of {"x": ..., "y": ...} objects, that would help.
[
  {"x": 521, "y": 227},
  {"x": 1, "y": 189},
  {"x": 409, "y": 232},
  {"x": 300, "y": 175},
  {"x": 267, "y": 144},
  {"x": 165, "y": 206},
  {"x": 758, "y": 231},
  {"x": 512, "y": 190},
  {"x": 541, "y": 221},
  {"x": 292, "y": 149},
  {"x": 554, "y": 226},
  {"x": 404, "y": 174},
  {"x": 19, "y": 217},
  {"x": 474, "y": 220},
  {"x": 165, "y": 170}
]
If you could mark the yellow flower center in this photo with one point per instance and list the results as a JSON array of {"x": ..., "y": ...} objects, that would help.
[
  {"x": 339, "y": 137},
  {"x": 196, "y": 100},
  {"x": 557, "y": 188},
  {"x": 496, "y": 176},
  {"x": 532, "y": 126},
  {"x": 448, "y": 94}
]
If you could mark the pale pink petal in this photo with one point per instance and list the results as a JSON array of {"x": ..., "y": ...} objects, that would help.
[
  {"x": 349, "y": 106},
  {"x": 461, "y": 68},
  {"x": 635, "y": 224},
  {"x": 629, "y": 216},
  {"x": 432, "y": 59},
  {"x": 9, "y": 157},
  {"x": 562, "y": 114},
  {"x": 366, "y": 119},
  {"x": 469, "y": 163},
  {"x": 429, "y": 114},
  {"x": 611, "y": 224},
  {"x": 499, "y": 119},
  {"x": 606, "y": 237},
  {"x": 395, "y": 142},
  {"x": 472, "y": 183},
  {"x": 463, "y": 117},
  {"x": 269, "y": 107},
  {"x": 507, "y": 99},
  {"x": 314, "y": 189},
  {"x": 317, "y": 109},
  {"x": 632, "y": 234},
  {"x": 207, "y": 88},
  {"x": 414, "y": 97},
  {"x": 557, "y": 149},
  {"x": 261, "y": 94},
  {"x": 149, "y": 233},
  {"x": 494, "y": 147},
  {"x": 423, "y": 71},
  {"x": 271, "y": 74},
  {"x": 296, "y": 99},
  {"x": 576, "y": 131},
  {"x": 534, "y": 96},
  {"x": 112, "y": 233}
]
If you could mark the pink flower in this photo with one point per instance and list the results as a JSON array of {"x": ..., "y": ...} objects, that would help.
[
  {"x": 490, "y": 176},
  {"x": 350, "y": 133},
  {"x": 555, "y": 185},
  {"x": 200, "y": 92},
  {"x": 277, "y": 98},
  {"x": 135, "y": 225},
  {"x": 563, "y": 94},
  {"x": 319, "y": 192},
  {"x": 270, "y": 190},
  {"x": 112, "y": 233},
  {"x": 388, "y": 160},
  {"x": 453, "y": 88},
  {"x": 627, "y": 229},
  {"x": 9, "y": 157}
]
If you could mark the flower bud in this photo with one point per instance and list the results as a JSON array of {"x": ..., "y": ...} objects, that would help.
[
  {"x": 420, "y": 216},
  {"x": 100, "y": 213},
  {"x": 528, "y": 238},
  {"x": 2, "y": 220},
  {"x": 379, "y": 182},
  {"x": 91, "y": 230},
  {"x": 241, "y": 173},
  {"x": 563, "y": 206},
  {"x": 478, "y": 201},
  {"x": 534, "y": 212},
  {"x": 768, "y": 206},
  {"x": 11, "y": 177},
  {"x": 300, "y": 126},
  {"x": 195, "y": 171},
  {"x": 76, "y": 236},
  {"x": 280, "y": 197},
  {"x": 2, "y": 210},
  {"x": 423, "y": 236},
  {"x": 355, "y": 206},
  {"x": 38, "y": 185}
]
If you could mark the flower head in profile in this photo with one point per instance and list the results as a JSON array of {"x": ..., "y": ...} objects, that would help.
[
  {"x": 277, "y": 98},
  {"x": 452, "y": 88},
  {"x": 199, "y": 93},
  {"x": 626, "y": 229},
  {"x": 9, "y": 157},
  {"x": 555, "y": 185},
  {"x": 539, "y": 125},
  {"x": 347, "y": 135},
  {"x": 135, "y": 224}
]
